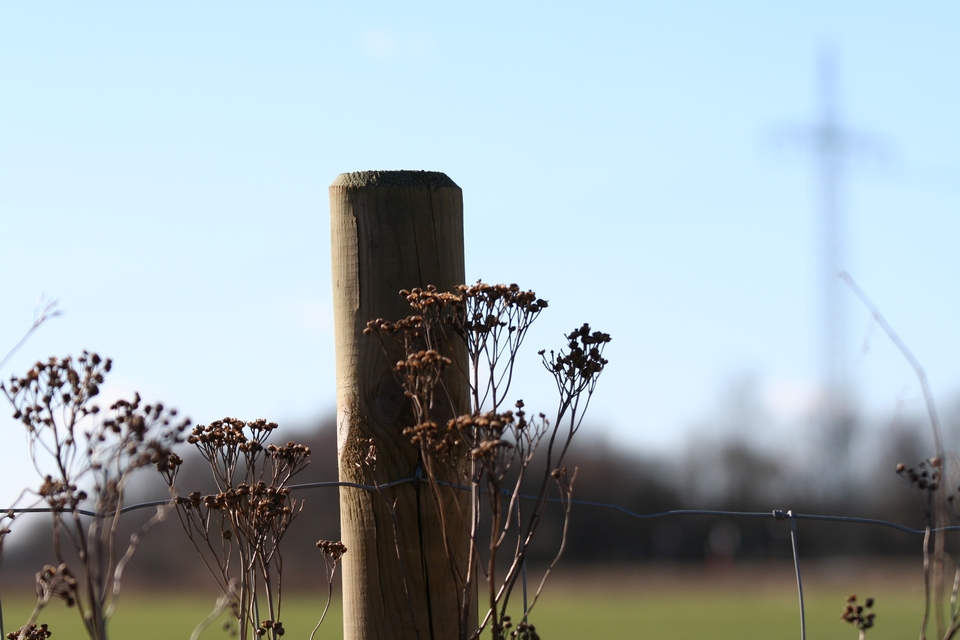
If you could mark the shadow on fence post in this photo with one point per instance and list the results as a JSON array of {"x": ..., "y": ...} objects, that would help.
[{"x": 391, "y": 230}]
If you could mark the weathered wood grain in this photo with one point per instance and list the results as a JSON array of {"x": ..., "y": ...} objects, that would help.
[{"x": 391, "y": 230}]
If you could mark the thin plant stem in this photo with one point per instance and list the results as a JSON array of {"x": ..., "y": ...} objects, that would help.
[
  {"x": 940, "y": 516},
  {"x": 160, "y": 516},
  {"x": 326, "y": 607},
  {"x": 907, "y": 354},
  {"x": 223, "y": 603},
  {"x": 926, "y": 584},
  {"x": 953, "y": 594},
  {"x": 45, "y": 309}
]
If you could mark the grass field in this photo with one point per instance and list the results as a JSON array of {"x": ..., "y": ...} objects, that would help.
[{"x": 655, "y": 603}]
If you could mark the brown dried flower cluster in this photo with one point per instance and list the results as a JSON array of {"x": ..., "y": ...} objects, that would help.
[
  {"x": 925, "y": 476},
  {"x": 488, "y": 445},
  {"x": 57, "y": 582},
  {"x": 98, "y": 450},
  {"x": 472, "y": 311},
  {"x": 58, "y": 382},
  {"x": 489, "y": 306},
  {"x": 269, "y": 625},
  {"x": 936, "y": 497},
  {"x": 859, "y": 615},
  {"x": 30, "y": 632},
  {"x": 420, "y": 375},
  {"x": 525, "y": 631},
  {"x": 238, "y": 529},
  {"x": 332, "y": 553},
  {"x": 494, "y": 438},
  {"x": 332, "y": 550},
  {"x": 430, "y": 298},
  {"x": 429, "y": 436},
  {"x": 582, "y": 363},
  {"x": 411, "y": 325},
  {"x": 256, "y": 509},
  {"x": 136, "y": 435},
  {"x": 230, "y": 433}
]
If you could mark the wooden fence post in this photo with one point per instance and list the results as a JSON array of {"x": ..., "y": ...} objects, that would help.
[{"x": 390, "y": 230}]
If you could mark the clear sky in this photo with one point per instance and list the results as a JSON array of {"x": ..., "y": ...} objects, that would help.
[{"x": 164, "y": 171}]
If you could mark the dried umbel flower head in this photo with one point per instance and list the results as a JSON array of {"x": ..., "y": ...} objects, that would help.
[
  {"x": 424, "y": 299},
  {"x": 428, "y": 435},
  {"x": 411, "y": 326},
  {"x": 462, "y": 430},
  {"x": 53, "y": 402},
  {"x": 56, "y": 582},
  {"x": 492, "y": 439},
  {"x": 290, "y": 454},
  {"x": 860, "y": 616},
  {"x": 332, "y": 553},
  {"x": 169, "y": 466},
  {"x": 228, "y": 441},
  {"x": 497, "y": 442},
  {"x": 247, "y": 517},
  {"x": 925, "y": 476},
  {"x": 426, "y": 360},
  {"x": 488, "y": 307},
  {"x": 268, "y": 625},
  {"x": 230, "y": 432},
  {"x": 525, "y": 631},
  {"x": 99, "y": 451},
  {"x": 58, "y": 381},
  {"x": 332, "y": 550},
  {"x": 30, "y": 632},
  {"x": 584, "y": 359}
]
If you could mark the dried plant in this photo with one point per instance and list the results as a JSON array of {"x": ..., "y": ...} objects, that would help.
[
  {"x": 44, "y": 310},
  {"x": 86, "y": 461},
  {"x": 30, "y": 632},
  {"x": 928, "y": 477},
  {"x": 332, "y": 554},
  {"x": 238, "y": 530},
  {"x": 859, "y": 615},
  {"x": 489, "y": 451}
]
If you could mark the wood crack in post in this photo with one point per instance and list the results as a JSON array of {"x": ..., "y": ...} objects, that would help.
[{"x": 407, "y": 232}]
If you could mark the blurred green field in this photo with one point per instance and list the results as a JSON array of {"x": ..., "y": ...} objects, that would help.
[{"x": 681, "y": 609}]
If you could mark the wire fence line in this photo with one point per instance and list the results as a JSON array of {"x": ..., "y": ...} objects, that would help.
[{"x": 776, "y": 514}]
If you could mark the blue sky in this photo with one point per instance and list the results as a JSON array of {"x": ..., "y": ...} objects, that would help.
[{"x": 164, "y": 172}]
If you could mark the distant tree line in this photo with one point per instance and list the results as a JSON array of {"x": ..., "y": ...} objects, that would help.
[{"x": 725, "y": 474}]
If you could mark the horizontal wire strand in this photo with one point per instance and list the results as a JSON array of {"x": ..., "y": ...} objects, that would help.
[{"x": 776, "y": 514}]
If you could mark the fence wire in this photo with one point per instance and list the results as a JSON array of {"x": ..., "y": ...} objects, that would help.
[{"x": 776, "y": 514}]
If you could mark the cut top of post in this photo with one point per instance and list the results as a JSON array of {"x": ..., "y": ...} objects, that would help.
[{"x": 360, "y": 179}]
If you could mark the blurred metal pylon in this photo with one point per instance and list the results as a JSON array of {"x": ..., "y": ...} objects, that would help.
[{"x": 833, "y": 145}]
